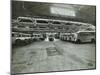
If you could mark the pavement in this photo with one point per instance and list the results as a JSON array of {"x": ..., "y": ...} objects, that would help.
[{"x": 46, "y": 56}]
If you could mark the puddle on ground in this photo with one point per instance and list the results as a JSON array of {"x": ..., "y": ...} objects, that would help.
[
  {"x": 90, "y": 64},
  {"x": 52, "y": 51}
]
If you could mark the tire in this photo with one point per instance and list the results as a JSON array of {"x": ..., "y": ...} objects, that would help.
[
  {"x": 92, "y": 41},
  {"x": 30, "y": 40},
  {"x": 18, "y": 42},
  {"x": 42, "y": 39},
  {"x": 70, "y": 39},
  {"x": 78, "y": 41},
  {"x": 26, "y": 41},
  {"x": 51, "y": 39}
]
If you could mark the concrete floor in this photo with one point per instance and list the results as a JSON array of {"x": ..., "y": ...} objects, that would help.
[{"x": 45, "y": 56}]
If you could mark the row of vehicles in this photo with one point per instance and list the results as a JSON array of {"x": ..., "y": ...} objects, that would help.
[
  {"x": 79, "y": 37},
  {"x": 19, "y": 38},
  {"x": 47, "y": 25},
  {"x": 29, "y": 22}
]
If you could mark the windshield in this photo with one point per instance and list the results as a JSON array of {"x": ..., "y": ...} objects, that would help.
[
  {"x": 86, "y": 33},
  {"x": 25, "y": 20}
]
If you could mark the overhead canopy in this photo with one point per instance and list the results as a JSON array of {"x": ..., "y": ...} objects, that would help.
[{"x": 71, "y": 12}]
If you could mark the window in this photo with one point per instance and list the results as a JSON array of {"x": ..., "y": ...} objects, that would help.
[
  {"x": 90, "y": 29},
  {"x": 68, "y": 23},
  {"x": 41, "y": 21},
  {"x": 14, "y": 35},
  {"x": 60, "y": 10},
  {"x": 21, "y": 26},
  {"x": 42, "y": 27},
  {"x": 25, "y": 20},
  {"x": 32, "y": 27},
  {"x": 56, "y": 22},
  {"x": 60, "y": 27},
  {"x": 87, "y": 33},
  {"x": 50, "y": 35},
  {"x": 19, "y": 35},
  {"x": 92, "y": 33}
]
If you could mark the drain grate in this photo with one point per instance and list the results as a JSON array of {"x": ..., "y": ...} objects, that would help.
[
  {"x": 90, "y": 64},
  {"x": 52, "y": 51}
]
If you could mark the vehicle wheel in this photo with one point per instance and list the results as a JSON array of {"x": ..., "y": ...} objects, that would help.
[
  {"x": 26, "y": 41},
  {"x": 18, "y": 42},
  {"x": 69, "y": 39},
  {"x": 42, "y": 39},
  {"x": 34, "y": 39},
  {"x": 92, "y": 40},
  {"x": 78, "y": 41}
]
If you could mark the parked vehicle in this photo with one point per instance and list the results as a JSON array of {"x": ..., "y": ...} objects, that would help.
[
  {"x": 65, "y": 36},
  {"x": 51, "y": 38},
  {"x": 57, "y": 35},
  {"x": 37, "y": 36},
  {"x": 83, "y": 36},
  {"x": 21, "y": 38}
]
